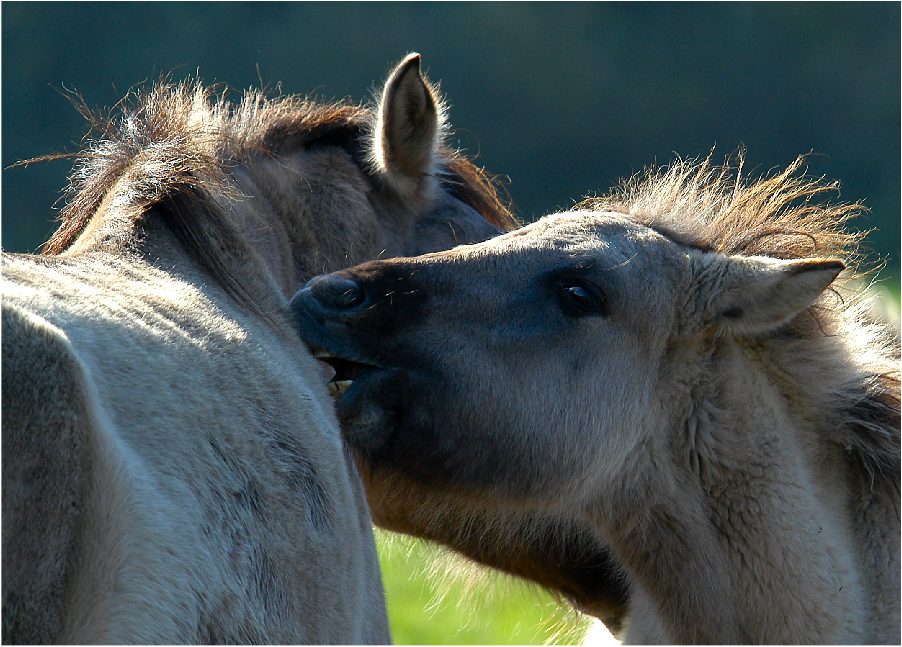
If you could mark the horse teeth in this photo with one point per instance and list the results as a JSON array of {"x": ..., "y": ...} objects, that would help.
[
  {"x": 319, "y": 354},
  {"x": 339, "y": 387}
]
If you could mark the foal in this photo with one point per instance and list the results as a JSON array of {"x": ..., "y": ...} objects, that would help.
[{"x": 685, "y": 369}]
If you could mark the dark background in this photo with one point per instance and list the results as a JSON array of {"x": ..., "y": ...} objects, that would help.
[{"x": 562, "y": 98}]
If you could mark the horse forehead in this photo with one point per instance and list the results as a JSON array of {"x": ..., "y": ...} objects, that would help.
[{"x": 589, "y": 234}]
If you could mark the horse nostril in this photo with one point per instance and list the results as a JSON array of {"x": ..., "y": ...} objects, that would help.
[{"x": 335, "y": 291}]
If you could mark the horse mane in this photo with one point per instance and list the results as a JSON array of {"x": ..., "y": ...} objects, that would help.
[
  {"x": 178, "y": 139},
  {"x": 174, "y": 144},
  {"x": 839, "y": 340}
]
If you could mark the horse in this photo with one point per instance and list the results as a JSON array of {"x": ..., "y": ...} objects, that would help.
[
  {"x": 173, "y": 470},
  {"x": 686, "y": 369}
]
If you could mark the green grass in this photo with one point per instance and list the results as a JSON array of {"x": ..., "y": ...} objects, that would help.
[
  {"x": 436, "y": 598},
  {"x": 889, "y": 294}
]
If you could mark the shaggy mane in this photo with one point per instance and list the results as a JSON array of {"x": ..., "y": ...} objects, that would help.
[
  {"x": 839, "y": 341},
  {"x": 176, "y": 142},
  {"x": 710, "y": 207}
]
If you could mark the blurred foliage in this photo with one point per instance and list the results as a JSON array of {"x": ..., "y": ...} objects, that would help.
[
  {"x": 562, "y": 98},
  {"x": 435, "y": 598}
]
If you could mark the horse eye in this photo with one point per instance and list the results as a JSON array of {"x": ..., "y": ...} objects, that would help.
[{"x": 581, "y": 300}]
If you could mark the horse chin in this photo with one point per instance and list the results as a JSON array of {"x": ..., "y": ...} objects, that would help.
[{"x": 368, "y": 409}]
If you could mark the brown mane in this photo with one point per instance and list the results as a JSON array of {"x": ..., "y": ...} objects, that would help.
[
  {"x": 176, "y": 142},
  {"x": 710, "y": 207}
]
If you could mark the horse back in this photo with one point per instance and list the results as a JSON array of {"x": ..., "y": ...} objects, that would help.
[
  {"x": 207, "y": 498},
  {"x": 45, "y": 464}
]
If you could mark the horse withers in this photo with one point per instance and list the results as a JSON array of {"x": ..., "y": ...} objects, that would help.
[
  {"x": 685, "y": 370},
  {"x": 172, "y": 466}
]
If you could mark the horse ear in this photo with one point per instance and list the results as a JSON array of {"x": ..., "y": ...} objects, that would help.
[
  {"x": 757, "y": 294},
  {"x": 408, "y": 128}
]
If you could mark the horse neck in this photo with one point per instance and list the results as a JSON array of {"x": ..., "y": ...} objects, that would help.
[
  {"x": 250, "y": 230},
  {"x": 263, "y": 229},
  {"x": 678, "y": 572},
  {"x": 263, "y": 236},
  {"x": 210, "y": 237},
  {"x": 314, "y": 212},
  {"x": 741, "y": 533}
]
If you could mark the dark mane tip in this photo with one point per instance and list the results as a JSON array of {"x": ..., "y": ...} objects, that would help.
[{"x": 485, "y": 193}]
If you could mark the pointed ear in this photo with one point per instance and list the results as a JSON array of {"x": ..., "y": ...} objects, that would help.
[
  {"x": 755, "y": 295},
  {"x": 408, "y": 127}
]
